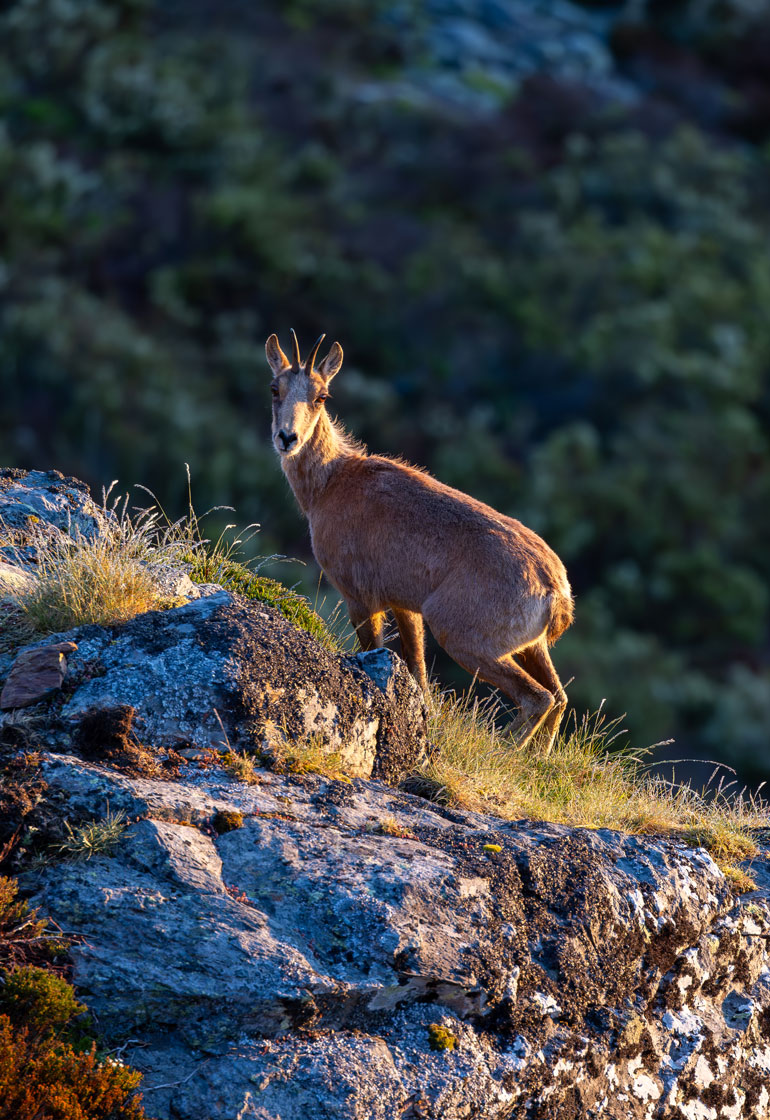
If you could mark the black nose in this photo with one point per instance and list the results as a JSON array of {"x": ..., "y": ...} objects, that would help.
[{"x": 286, "y": 439}]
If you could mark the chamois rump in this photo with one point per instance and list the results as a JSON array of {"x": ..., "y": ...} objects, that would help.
[{"x": 390, "y": 537}]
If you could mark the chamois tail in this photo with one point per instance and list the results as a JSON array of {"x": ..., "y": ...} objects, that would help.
[{"x": 562, "y": 614}]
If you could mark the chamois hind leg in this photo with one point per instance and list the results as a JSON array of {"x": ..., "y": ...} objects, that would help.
[
  {"x": 412, "y": 634},
  {"x": 532, "y": 699},
  {"x": 536, "y": 660},
  {"x": 368, "y": 626}
]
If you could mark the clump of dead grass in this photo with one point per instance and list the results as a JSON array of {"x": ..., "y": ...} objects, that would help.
[
  {"x": 587, "y": 780},
  {"x": 241, "y": 767},
  {"x": 102, "y": 578},
  {"x": 306, "y": 755}
]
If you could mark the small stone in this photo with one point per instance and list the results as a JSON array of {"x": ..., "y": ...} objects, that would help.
[
  {"x": 35, "y": 674},
  {"x": 13, "y": 579}
]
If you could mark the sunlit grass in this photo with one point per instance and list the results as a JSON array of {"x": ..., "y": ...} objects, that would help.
[
  {"x": 241, "y": 767},
  {"x": 122, "y": 571},
  {"x": 104, "y": 578},
  {"x": 587, "y": 780}
]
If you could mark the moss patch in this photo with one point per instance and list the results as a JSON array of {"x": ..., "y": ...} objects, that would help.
[
  {"x": 261, "y": 589},
  {"x": 439, "y": 1038},
  {"x": 227, "y": 821}
]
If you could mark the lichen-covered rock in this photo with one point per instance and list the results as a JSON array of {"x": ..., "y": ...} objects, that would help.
[
  {"x": 224, "y": 671},
  {"x": 31, "y": 498},
  {"x": 300, "y": 966}
]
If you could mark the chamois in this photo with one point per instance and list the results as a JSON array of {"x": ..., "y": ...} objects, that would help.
[{"x": 390, "y": 537}]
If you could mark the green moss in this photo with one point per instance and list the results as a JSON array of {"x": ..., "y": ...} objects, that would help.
[
  {"x": 261, "y": 589},
  {"x": 439, "y": 1038},
  {"x": 227, "y": 820}
]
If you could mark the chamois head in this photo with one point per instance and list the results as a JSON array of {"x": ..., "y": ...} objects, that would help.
[{"x": 299, "y": 391}]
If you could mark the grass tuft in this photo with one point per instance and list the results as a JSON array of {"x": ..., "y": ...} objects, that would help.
[
  {"x": 586, "y": 780},
  {"x": 95, "y": 838},
  {"x": 119, "y": 573},
  {"x": 241, "y": 767},
  {"x": 103, "y": 579},
  {"x": 218, "y": 561},
  {"x": 306, "y": 756}
]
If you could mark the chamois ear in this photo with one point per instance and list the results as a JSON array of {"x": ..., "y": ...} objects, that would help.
[
  {"x": 332, "y": 363},
  {"x": 276, "y": 358}
]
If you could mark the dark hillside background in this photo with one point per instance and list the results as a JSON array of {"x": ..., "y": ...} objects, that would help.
[{"x": 541, "y": 232}]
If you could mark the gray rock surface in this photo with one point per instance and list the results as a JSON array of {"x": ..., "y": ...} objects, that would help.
[
  {"x": 296, "y": 967},
  {"x": 29, "y": 498},
  {"x": 226, "y": 672}
]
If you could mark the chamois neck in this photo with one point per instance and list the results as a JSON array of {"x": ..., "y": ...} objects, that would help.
[{"x": 311, "y": 468}]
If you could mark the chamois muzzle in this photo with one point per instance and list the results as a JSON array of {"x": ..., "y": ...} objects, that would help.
[{"x": 287, "y": 439}]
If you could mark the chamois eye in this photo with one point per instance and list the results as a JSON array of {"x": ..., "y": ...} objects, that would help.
[{"x": 274, "y": 390}]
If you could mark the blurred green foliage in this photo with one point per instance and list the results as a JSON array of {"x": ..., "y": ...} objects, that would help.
[{"x": 578, "y": 335}]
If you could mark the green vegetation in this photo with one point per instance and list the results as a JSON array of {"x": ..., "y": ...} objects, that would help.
[
  {"x": 561, "y": 310},
  {"x": 241, "y": 767},
  {"x": 49, "y": 1065},
  {"x": 112, "y": 577},
  {"x": 294, "y": 607},
  {"x": 439, "y": 1038},
  {"x": 99, "y": 837},
  {"x": 227, "y": 820},
  {"x": 308, "y": 755}
]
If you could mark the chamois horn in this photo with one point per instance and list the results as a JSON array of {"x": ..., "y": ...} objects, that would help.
[
  {"x": 297, "y": 360},
  {"x": 309, "y": 360}
]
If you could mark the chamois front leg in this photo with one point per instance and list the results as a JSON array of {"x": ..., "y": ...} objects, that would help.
[
  {"x": 368, "y": 627},
  {"x": 412, "y": 633}
]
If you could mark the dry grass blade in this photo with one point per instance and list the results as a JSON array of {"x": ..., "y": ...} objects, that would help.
[{"x": 104, "y": 577}]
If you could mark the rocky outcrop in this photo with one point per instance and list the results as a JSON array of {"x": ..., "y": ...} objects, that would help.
[
  {"x": 47, "y": 498},
  {"x": 306, "y": 947},
  {"x": 353, "y": 952},
  {"x": 226, "y": 672}
]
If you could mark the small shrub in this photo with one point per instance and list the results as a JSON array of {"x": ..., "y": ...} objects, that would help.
[
  {"x": 49, "y": 1068},
  {"x": 39, "y": 1000},
  {"x": 22, "y": 933},
  {"x": 43, "y": 1079}
]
